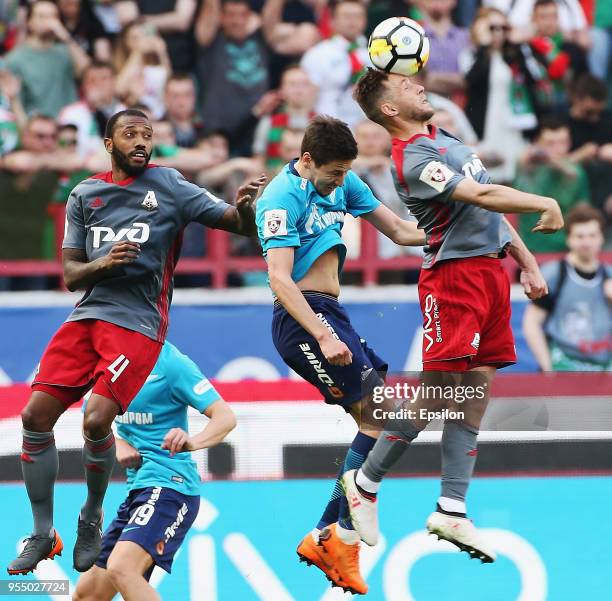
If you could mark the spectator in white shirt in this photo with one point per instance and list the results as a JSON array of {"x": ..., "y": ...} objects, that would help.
[
  {"x": 572, "y": 21},
  {"x": 336, "y": 64},
  {"x": 90, "y": 114}
]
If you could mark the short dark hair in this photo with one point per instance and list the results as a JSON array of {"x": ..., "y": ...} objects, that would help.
[
  {"x": 583, "y": 213},
  {"x": 369, "y": 92},
  {"x": 179, "y": 77},
  {"x": 110, "y": 124},
  {"x": 96, "y": 64},
  {"x": 539, "y": 3},
  {"x": 588, "y": 86},
  {"x": 68, "y": 127},
  {"x": 327, "y": 139},
  {"x": 552, "y": 122}
]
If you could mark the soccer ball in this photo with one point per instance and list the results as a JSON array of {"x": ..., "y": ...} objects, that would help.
[{"x": 399, "y": 45}]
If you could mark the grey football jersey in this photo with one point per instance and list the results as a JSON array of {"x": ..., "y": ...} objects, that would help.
[
  {"x": 579, "y": 319},
  {"x": 426, "y": 169},
  {"x": 151, "y": 210}
]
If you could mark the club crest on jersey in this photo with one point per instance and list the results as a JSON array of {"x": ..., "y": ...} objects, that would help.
[
  {"x": 150, "y": 202},
  {"x": 436, "y": 175},
  {"x": 275, "y": 223}
]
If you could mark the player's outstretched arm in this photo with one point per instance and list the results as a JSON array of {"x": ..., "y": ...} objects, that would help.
[
  {"x": 532, "y": 280},
  {"x": 401, "y": 231},
  {"x": 80, "y": 273},
  {"x": 222, "y": 422},
  {"x": 241, "y": 218},
  {"x": 502, "y": 199},
  {"x": 280, "y": 266},
  {"x": 207, "y": 23}
]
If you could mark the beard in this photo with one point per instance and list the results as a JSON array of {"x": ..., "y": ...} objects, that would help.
[
  {"x": 122, "y": 161},
  {"x": 420, "y": 114}
]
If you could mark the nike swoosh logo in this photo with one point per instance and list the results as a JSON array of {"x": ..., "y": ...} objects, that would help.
[
  {"x": 151, "y": 378},
  {"x": 132, "y": 528}
]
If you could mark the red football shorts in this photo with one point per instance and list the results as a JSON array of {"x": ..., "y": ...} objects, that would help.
[
  {"x": 90, "y": 352},
  {"x": 466, "y": 315}
]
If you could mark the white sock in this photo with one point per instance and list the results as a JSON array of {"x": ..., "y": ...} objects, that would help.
[
  {"x": 364, "y": 482},
  {"x": 348, "y": 537},
  {"x": 453, "y": 505},
  {"x": 315, "y": 535}
]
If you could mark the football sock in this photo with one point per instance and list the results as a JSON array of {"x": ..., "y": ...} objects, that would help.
[
  {"x": 458, "y": 460},
  {"x": 356, "y": 455},
  {"x": 315, "y": 534},
  {"x": 347, "y": 535},
  {"x": 98, "y": 459},
  {"x": 337, "y": 507},
  {"x": 39, "y": 465},
  {"x": 451, "y": 507},
  {"x": 366, "y": 487},
  {"x": 387, "y": 450}
]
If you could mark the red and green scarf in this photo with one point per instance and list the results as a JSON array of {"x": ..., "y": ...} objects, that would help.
[
  {"x": 357, "y": 66},
  {"x": 279, "y": 122}
]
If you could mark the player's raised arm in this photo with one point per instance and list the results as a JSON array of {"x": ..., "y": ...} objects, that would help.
[
  {"x": 361, "y": 202},
  {"x": 241, "y": 218},
  {"x": 502, "y": 199},
  {"x": 400, "y": 231},
  {"x": 280, "y": 266}
]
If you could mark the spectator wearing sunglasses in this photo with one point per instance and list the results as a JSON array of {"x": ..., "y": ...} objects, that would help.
[{"x": 504, "y": 86}]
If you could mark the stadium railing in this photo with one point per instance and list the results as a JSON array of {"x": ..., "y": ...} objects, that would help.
[{"x": 219, "y": 262}]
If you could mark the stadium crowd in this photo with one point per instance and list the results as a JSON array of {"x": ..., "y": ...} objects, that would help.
[{"x": 231, "y": 84}]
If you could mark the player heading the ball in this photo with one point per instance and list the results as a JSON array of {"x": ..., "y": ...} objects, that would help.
[{"x": 464, "y": 294}]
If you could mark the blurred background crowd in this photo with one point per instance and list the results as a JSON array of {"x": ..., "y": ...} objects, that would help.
[{"x": 231, "y": 84}]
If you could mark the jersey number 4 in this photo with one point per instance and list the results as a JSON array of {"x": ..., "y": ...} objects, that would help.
[{"x": 117, "y": 367}]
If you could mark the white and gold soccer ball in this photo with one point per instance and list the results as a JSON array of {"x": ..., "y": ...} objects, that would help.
[{"x": 399, "y": 45}]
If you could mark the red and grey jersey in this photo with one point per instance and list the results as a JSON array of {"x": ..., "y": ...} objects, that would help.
[
  {"x": 426, "y": 169},
  {"x": 151, "y": 210}
]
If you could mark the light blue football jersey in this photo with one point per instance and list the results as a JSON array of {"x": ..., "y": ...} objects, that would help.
[
  {"x": 291, "y": 213},
  {"x": 175, "y": 383}
]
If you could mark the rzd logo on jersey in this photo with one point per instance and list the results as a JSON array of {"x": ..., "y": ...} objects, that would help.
[{"x": 139, "y": 232}]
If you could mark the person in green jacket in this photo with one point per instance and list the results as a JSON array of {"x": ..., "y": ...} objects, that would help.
[{"x": 546, "y": 169}]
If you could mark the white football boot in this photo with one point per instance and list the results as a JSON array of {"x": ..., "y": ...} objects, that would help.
[
  {"x": 364, "y": 511},
  {"x": 462, "y": 533}
]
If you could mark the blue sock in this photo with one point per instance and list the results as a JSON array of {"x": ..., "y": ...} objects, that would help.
[{"x": 337, "y": 508}]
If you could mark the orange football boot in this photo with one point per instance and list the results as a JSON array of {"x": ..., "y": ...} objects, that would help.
[
  {"x": 345, "y": 559},
  {"x": 37, "y": 548},
  {"x": 314, "y": 554}
]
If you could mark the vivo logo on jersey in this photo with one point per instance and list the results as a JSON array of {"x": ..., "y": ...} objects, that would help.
[
  {"x": 317, "y": 222},
  {"x": 139, "y": 232},
  {"x": 432, "y": 315}
]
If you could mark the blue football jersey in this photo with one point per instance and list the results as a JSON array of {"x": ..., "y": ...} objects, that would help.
[
  {"x": 175, "y": 383},
  {"x": 291, "y": 213}
]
